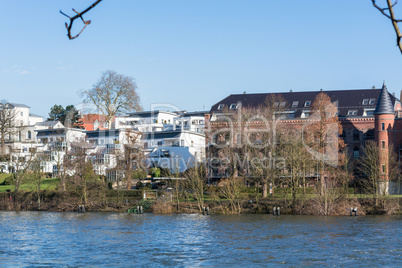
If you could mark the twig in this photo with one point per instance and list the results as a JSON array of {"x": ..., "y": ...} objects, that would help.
[
  {"x": 78, "y": 15},
  {"x": 391, "y": 16}
]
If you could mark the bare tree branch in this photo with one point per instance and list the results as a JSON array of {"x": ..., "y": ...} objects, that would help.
[
  {"x": 390, "y": 15},
  {"x": 78, "y": 15}
]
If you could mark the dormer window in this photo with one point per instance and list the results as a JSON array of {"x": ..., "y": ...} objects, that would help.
[
  {"x": 233, "y": 106},
  {"x": 305, "y": 114},
  {"x": 276, "y": 104},
  {"x": 220, "y": 106},
  {"x": 307, "y": 103},
  {"x": 295, "y": 103},
  {"x": 372, "y": 101},
  {"x": 368, "y": 112},
  {"x": 365, "y": 101},
  {"x": 283, "y": 104},
  {"x": 352, "y": 112}
]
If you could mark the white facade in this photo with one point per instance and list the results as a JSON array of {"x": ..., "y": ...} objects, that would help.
[
  {"x": 173, "y": 140},
  {"x": 176, "y": 150}
]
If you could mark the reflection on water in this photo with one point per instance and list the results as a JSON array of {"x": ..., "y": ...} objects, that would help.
[{"x": 113, "y": 239}]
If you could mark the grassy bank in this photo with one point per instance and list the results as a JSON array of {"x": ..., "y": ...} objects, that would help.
[
  {"x": 46, "y": 184},
  {"x": 100, "y": 198}
]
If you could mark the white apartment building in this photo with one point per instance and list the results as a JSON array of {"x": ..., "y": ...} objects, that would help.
[{"x": 173, "y": 140}]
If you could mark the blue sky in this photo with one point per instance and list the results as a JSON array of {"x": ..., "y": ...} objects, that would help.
[{"x": 193, "y": 53}]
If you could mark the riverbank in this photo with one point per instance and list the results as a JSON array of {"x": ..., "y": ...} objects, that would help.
[{"x": 122, "y": 201}]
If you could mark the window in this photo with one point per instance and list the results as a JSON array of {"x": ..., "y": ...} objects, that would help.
[
  {"x": 22, "y": 113},
  {"x": 295, "y": 103},
  {"x": 382, "y": 126},
  {"x": 356, "y": 153},
  {"x": 307, "y": 103},
  {"x": 382, "y": 144},
  {"x": 192, "y": 144},
  {"x": 145, "y": 145},
  {"x": 383, "y": 168},
  {"x": 372, "y": 101},
  {"x": 159, "y": 143},
  {"x": 165, "y": 153},
  {"x": 233, "y": 106},
  {"x": 29, "y": 135},
  {"x": 356, "y": 136},
  {"x": 55, "y": 171},
  {"x": 182, "y": 143},
  {"x": 276, "y": 104},
  {"x": 368, "y": 113},
  {"x": 352, "y": 112},
  {"x": 238, "y": 139},
  {"x": 365, "y": 101},
  {"x": 305, "y": 114},
  {"x": 220, "y": 106},
  {"x": 107, "y": 158}
]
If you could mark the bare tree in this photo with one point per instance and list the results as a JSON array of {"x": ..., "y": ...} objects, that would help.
[
  {"x": 7, "y": 123},
  {"x": 36, "y": 177},
  {"x": 369, "y": 166},
  {"x": 321, "y": 135},
  {"x": 113, "y": 94},
  {"x": 78, "y": 15},
  {"x": 297, "y": 160},
  {"x": 389, "y": 13},
  {"x": 21, "y": 165},
  {"x": 130, "y": 157},
  {"x": 196, "y": 184}
]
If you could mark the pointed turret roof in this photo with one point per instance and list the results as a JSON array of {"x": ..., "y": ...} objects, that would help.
[{"x": 384, "y": 104}]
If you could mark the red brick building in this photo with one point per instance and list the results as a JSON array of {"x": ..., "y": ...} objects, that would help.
[{"x": 365, "y": 114}]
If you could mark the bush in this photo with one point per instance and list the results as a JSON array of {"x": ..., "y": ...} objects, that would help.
[
  {"x": 9, "y": 181},
  {"x": 124, "y": 193},
  {"x": 155, "y": 172}
]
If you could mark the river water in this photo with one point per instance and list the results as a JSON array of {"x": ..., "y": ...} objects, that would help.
[{"x": 54, "y": 239}]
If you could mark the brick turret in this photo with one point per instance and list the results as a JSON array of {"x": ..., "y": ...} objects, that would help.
[{"x": 384, "y": 115}]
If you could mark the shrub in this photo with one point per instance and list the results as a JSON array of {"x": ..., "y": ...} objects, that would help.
[
  {"x": 124, "y": 193},
  {"x": 9, "y": 181}
]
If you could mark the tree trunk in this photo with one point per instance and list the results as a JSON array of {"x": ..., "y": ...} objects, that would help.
[
  {"x": 3, "y": 143},
  {"x": 264, "y": 189}
]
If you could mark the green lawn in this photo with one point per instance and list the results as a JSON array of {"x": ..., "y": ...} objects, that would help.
[{"x": 47, "y": 183}]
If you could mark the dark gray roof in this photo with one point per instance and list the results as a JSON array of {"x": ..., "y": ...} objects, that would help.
[
  {"x": 35, "y": 115},
  {"x": 384, "y": 104},
  {"x": 47, "y": 132},
  {"x": 103, "y": 133},
  {"x": 346, "y": 100},
  {"x": 196, "y": 113},
  {"x": 149, "y": 113},
  {"x": 20, "y": 105},
  {"x": 47, "y": 123},
  {"x": 161, "y": 135}
]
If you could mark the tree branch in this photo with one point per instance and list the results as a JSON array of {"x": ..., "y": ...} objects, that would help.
[
  {"x": 390, "y": 15},
  {"x": 78, "y": 15}
]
